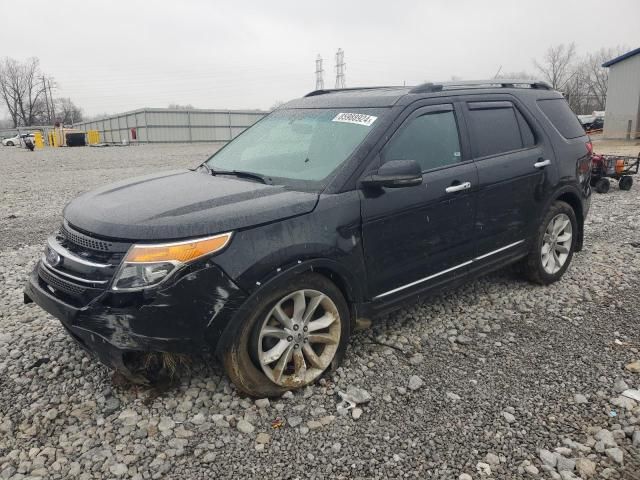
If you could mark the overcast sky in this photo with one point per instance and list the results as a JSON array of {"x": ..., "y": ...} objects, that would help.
[{"x": 121, "y": 55}]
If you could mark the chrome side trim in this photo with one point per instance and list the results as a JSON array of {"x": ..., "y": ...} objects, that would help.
[
  {"x": 408, "y": 285},
  {"x": 54, "y": 271},
  {"x": 469, "y": 262},
  {"x": 498, "y": 250},
  {"x": 63, "y": 252}
]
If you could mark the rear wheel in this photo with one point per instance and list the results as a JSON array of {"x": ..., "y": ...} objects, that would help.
[
  {"x": 295, "y": 332},
  {"x": 602, "y": 185},
  {"x": 10, "y": 144},
  {"x": 625, "y": 182},
  {"x": 553, "y": 246}
]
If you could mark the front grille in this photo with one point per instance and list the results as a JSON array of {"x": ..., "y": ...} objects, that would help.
[
  {"x": 85, "y": 267},
  {"x": 60, "y": 284},
  {"x": 85, "y": 240}
]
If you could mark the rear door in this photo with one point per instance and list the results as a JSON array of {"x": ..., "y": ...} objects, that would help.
[
  {"x": 515, "y": 168},
  {"x": 417, "y": 237}
]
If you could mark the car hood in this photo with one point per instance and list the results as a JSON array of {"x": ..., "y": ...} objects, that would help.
[{"x": 181, "y": 204}]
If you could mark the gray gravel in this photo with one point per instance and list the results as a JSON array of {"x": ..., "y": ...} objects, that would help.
[{"x": 497, "y": 379}]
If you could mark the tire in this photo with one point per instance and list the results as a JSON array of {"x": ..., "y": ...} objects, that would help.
[
  {"x": 625, "y": 182},
  {"x": 10, "y": 144},
  {"x": 536, "y": 265},
  {"x": 261, "y": 336},
  {"x": 602, "y": 185}
]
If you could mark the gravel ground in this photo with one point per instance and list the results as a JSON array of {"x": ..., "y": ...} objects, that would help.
[{"x": 497, "y": 379}]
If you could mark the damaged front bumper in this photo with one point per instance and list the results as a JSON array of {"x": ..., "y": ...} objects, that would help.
[{"x": 187, "y": 316}]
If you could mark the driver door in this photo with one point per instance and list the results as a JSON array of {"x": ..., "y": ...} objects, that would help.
[{"x": 418, "y": 237}]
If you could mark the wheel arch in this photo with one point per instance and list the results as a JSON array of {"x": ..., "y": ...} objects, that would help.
[
  {"x": 339, "y": 275},
  {"x": 571, "y": 197}
]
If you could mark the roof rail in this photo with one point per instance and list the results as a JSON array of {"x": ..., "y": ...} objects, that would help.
[
  {"x": 493, "y": 83},
  {"x": 351, "y": 89}
]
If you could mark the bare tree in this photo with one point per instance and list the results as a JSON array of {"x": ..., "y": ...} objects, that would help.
[
  {"x": 596, "y": 76},
  {"x": 67, "y": 112},
  {"x": 556, "y": 65},
  {"x": 23, "y": 90}
]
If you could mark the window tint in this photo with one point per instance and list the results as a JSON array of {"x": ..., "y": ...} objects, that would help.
[
  {"x": 528, "y": 139},
  {"x": 493, "y": 130},
  {"x": 430, "y": 139},
  {"x": 558, "y": 112}
]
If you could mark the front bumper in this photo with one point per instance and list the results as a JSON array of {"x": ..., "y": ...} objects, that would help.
[{"x": 187, "y": 316}]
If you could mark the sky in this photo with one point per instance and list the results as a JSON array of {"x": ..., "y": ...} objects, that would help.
[{"x": 116, "y": 56}]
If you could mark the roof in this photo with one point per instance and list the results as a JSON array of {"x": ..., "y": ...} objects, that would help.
[
  {"x": 351, "y": 97},
  {"x": 392, "y": 95},
  {"x": 621, "y": 57}
]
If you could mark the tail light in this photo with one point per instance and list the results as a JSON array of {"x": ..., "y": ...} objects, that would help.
[{"x": 589, "y": 147}]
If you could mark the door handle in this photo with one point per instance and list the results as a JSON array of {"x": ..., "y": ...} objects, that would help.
[
  {"x": 458, "y": 188},
  {"x": 542, "y": 164}
]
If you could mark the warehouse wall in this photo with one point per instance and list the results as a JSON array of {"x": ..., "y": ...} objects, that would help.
[
  {"x": 623, "y": 99},
  {"x": 156, "y": 125}
]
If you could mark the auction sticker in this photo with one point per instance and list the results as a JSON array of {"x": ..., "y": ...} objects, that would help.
[{"x": 357, "y": 118}]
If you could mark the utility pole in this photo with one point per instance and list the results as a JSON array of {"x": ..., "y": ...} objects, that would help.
[
  {"x": 319, "y": 74},
  {"x": 46, "y": 98},
  {"x": 340, "y": 68},
  {"x": 53, "y": 106}
]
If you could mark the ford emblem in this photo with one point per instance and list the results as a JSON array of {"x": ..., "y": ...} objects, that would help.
[{"x": 53, "y": 259}]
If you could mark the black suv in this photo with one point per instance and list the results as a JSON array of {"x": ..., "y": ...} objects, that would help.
[{"x": 335, "y": 207}]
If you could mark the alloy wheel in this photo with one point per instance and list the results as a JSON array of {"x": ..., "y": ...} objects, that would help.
[
  {"x": 556, "y": 244},
  {"x": 299, "y": 338}
]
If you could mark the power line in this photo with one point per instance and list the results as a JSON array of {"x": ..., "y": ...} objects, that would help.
[
  {"x": 319, "y": 74},
  {"x": 340, "y": 68}
]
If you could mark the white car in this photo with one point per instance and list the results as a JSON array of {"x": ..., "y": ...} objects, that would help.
[{"x": 17, "y": 140}]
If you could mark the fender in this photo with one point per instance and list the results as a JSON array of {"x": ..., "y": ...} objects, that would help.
[
  {"x": 338, "y": 273},
  {"x": 341, "y": 277},
  {"x": 578, "y": 205}
]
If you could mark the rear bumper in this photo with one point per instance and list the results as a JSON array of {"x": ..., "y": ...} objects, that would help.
[{"x": 187, "y": 316}]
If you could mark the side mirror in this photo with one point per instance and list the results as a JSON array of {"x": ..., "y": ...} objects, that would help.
[{"x": 394, "y": 174}]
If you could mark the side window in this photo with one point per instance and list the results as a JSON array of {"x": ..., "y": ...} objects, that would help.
[
  {"x": 494, "y": 128},
  {"x": 431, "y": 140},
  {"x": 558, "y": 112}
]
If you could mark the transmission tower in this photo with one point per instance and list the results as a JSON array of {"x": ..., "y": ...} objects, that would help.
[
  {"x": 340, "y": 68},
  {"x": 319, "y": 74}
]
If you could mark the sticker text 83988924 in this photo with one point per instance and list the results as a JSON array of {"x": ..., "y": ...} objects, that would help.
[{"x": 357, "y": 118}]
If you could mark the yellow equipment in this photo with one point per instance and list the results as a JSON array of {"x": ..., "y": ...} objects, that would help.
[
  {"x": 38, "y": 141},
  {"x": 93, "y": 137}
]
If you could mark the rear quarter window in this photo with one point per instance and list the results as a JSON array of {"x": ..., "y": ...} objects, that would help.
[{"x": 560, "y": 115}]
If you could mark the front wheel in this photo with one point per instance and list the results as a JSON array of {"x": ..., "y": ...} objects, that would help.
[
  {"x": 294, "y": 333},
  {"x": 553, "y": 246},
  {"x": 10, "y": 144}
]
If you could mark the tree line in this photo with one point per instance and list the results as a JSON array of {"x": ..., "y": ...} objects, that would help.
[
  {"x": 27, "y": 94},
  {"x": 581, "y": 78}
]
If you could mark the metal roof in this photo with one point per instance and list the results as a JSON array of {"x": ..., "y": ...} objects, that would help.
[{"x": 621, "y": 57}]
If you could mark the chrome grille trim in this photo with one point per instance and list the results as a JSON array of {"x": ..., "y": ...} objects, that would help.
[
  {"x": 72, "y": 277},
  {"x": 63, "y": 252}
]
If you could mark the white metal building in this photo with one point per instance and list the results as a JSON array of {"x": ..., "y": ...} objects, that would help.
[
  {"x": 161, "y": 125},
  {"x": 622, "y": 117}
]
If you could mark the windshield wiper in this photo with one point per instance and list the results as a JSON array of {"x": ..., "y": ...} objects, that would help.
[{"x": 242, "y": 174}]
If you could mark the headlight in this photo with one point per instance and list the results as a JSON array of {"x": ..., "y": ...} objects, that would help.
[{"x": 147, "y": 265}]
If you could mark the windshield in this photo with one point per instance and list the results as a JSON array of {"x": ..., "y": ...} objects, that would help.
[{"x": 302, "y": 145}]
